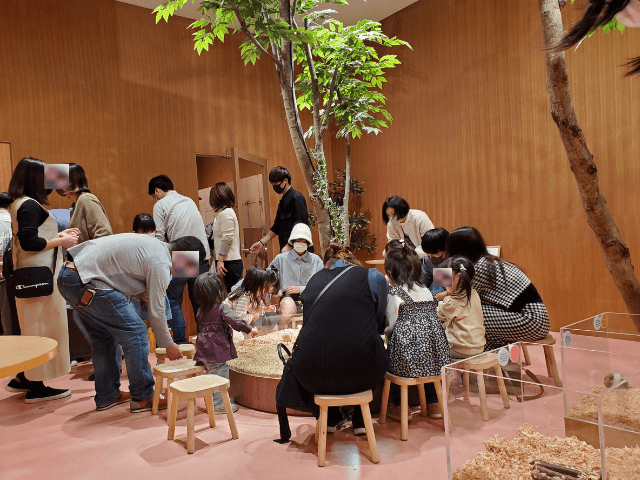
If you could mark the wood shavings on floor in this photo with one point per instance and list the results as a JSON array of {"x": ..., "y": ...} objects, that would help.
[
  {"x": 620, "y": 407},
  {"x": 511, "y": 459},
  {"x": 259, "y": 355}
]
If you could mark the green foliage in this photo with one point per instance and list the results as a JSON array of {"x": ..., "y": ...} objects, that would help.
[{"x": 611, "y": 26}]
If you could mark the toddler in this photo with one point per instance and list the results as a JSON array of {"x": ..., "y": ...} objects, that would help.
[
  {"x": 417, "y": 343},
  {"x": 461, "y": 311},
  {"x": 214, "y": 346},
  {"x": 253, "y": 298}
]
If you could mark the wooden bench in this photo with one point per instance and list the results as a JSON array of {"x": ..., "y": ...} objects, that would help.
[
  {"x": 483, "y": 362},
  {"x": 171, "y": 371},
  {"x": 404, "y": 383},
  {"x": 325, "y": 401},
  {"x": 187, "y": 350},
  {"x": 190, "y": 389},
  {"x": 549, "y": 356}
]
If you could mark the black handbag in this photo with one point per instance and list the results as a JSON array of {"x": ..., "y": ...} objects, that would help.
[{"x": 33, "y": 282}]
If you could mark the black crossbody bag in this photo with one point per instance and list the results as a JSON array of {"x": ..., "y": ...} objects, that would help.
[{"x": 33, "y": 282}]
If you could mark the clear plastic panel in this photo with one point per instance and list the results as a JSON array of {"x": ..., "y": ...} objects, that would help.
[
  {"x": 608, "y": 332},
  {"x": 500, "y": 442}
]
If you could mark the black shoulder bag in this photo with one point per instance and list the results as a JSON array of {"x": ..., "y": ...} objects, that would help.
[{"x": 32, "y": 282}]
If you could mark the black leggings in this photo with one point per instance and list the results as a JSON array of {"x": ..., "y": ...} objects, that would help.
[{"x": 234, "y": 273}]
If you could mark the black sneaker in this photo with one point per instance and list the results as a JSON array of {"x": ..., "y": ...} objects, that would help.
[
  {"x": 18, "y": 384},
  {"x": 42, "y": 394},
  {"x": 358, "y": 427}
]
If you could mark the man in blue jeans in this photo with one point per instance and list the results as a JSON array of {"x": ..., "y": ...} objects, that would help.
[
  {"x": 177, "y": 216},
  {"x": 105, "y": 272}
]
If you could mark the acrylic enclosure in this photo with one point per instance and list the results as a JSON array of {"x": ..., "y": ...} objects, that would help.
[{"x": 576, "y": 409}]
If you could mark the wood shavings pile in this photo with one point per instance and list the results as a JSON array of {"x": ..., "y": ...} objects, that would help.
[
  {"x": 511, "y": 459},
  {"x": 620, "y": 407},
  {"x": 259, "y": 355}
]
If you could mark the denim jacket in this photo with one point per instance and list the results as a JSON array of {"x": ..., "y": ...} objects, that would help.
[{"x": 215, "y": 340}]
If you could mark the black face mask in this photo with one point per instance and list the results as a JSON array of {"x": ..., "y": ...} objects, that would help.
[
  {"x": 278, "y": 189},
  {"x": 437, "y": 260}
]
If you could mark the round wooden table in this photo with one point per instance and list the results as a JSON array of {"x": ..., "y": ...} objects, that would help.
[{"x": 18, "y": 353}]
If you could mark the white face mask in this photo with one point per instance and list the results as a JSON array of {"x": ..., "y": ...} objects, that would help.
[{"x": 300, "y": 247}]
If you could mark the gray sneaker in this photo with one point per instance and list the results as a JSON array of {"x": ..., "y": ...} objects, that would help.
[{"x": 220, "y": 408}]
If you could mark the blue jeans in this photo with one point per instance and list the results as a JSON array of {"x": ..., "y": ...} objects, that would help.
[
  {"x": 222, "y": 370},
  {"x": 174, "y": 293},
  {"x": 111, "y": 319}
]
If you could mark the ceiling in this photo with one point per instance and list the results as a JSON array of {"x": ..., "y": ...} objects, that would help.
[{"x": 347, "y": 14}]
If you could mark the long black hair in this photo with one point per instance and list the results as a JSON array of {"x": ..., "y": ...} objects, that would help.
[
  {"x": 209, "y": 291},
  {"x": 28, "y": 180},
  {"x": 402, "y": 265},
  {"x": 256, "y": 284},
  {"x": 463, "y": 266},
  {"x": 468, "y": 242},
  {"x": 597, "y": 13}
]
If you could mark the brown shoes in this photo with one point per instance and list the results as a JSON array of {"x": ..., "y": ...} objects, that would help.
[
  {"x": 138, "y": 406},
  {"x": 122, "y": 397}
]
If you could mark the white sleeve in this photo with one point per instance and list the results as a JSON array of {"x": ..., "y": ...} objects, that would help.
[
  {"x": 391, "y": 313},
  {"x": 159, "y": 219}
]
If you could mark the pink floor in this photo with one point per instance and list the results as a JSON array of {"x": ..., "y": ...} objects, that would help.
[{"x": 68, "y": 439}]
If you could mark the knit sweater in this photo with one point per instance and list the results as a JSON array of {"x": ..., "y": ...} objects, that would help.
[
  {"x": 463, "y": 323},
  {"x": 90, "y": 218},
  {"x": 414, "y": 227},
  {"x": 226, "y": 235}
]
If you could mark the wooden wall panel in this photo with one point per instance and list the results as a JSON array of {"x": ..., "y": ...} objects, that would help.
[
  {"x": 100, "y": 84},
  {"x": 473, "y": 142}
]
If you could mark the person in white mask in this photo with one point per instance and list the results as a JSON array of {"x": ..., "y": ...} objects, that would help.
[
  {"x": 295, "y": 268},
  {"x": 405, "y": 223}
]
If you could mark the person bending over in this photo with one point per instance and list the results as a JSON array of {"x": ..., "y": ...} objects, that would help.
[
  {"x": 433, "y": 245},
  {"x": 295, "y": 268},
  {"x": 405, "y": 223},
  {"x": 143, "y": 223},
  {"x": 105, "y": 272}
]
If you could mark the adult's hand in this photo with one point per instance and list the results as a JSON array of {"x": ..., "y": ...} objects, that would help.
[
  {"x": 67, "y": 241},
  {"x": 256, "y": 248},
  {"x": 173, "y": 352},
  {"x": 220, "y": 268},
  {"x": 69, "y": 231},
  {"x": 292, "y": 290}
]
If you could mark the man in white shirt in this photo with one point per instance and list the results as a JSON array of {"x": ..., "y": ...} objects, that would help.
[
  {"x": 177, "y": 216},
  {"x": 9, "y": 319}
]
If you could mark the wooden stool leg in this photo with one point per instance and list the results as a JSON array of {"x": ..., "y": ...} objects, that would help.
[
  {"x": 229, "y": 412},
  {"x": 160, "y": 358},
  {"x": 465, "y": 379},
  {"x": 173, "y": 414},
  {"x": 322, "y": 443},
  {"x": 371, "y": 435},
  {"x": 156, "y": 395},
  {"x": 191, "y": 439},
  {"x": 404, "y": 412},
  {"x": 168, "y": 394},
  {"x": 525, "y": 354},
  {"x": 423, "y": 400},
  {"x": 385, "y": 401},
  {"x": 317, "y": 435},
  {"x": 483, "y": 395},
  {"x": 501, "y": 386},
  {"x": 190, "y": 355},
  {"x": 151, "y": 338},
  {"x": 552, "y": 367},
  {"x": 208, "y": 401},
  {"x": 438, "y": 388}
]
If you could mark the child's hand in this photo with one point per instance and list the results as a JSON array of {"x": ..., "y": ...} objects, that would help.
[{"x": 253, "y": 333}]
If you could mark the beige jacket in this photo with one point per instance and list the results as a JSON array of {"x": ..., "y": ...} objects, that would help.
[
  {"x": 90, "y": 217},
  {"x": 414, "y": 227},
  {"x": 463, "y": 323},
  {"x": 226, "y": 235}
]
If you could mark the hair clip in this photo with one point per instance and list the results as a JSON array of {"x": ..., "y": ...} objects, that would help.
[
  {"x": 462, "y": 269},
  {"x": 401, "y": 241}
]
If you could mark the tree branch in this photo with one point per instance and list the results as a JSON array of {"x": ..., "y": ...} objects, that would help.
[
  {"x": 274, "y": 46},
  {"x": 315, "y": 92},
  {"x": 245, "y": 29},
  {"x": 327, "y": 112}
]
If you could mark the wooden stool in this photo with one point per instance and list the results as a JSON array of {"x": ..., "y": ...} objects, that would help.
[
  {"x": 549, "y": 356},
  {"x": 404, "y": 383},
  {"x": 483, "y": 362},
  {"x": 190, "y": 389},
  {"x": 326, "y": 401},
  {"x": 193, "y": 339},
  {"x": 187, "y": 350},
  {"x": 170, "y": 371}
]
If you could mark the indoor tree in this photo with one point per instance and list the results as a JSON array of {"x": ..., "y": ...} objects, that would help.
[
  {"x": 342, "y": 81},
  {"x": 616, "y": 253}
]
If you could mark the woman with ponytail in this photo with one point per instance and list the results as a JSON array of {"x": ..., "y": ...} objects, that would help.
[
  {"x": 461, "y": 311},
  {"x": 418, "y": 346}
]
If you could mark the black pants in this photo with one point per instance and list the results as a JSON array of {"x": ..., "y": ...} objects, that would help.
[{"x": 234, "y": 273}]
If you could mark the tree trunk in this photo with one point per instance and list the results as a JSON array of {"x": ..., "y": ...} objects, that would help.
[
  {"x": 347, "y": 191},
  {"x": 290, "y": 108},
  {"x": 616, "y": 252}
]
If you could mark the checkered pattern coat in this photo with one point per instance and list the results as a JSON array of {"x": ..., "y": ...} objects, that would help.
[{"x": 497, "y": 294}]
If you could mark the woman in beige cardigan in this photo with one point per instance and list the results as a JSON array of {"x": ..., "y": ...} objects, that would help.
[
  {"x": 88, "y": 215},
  {"x": 226, "y": 235},
  {"x": 405, "y": 223}
]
